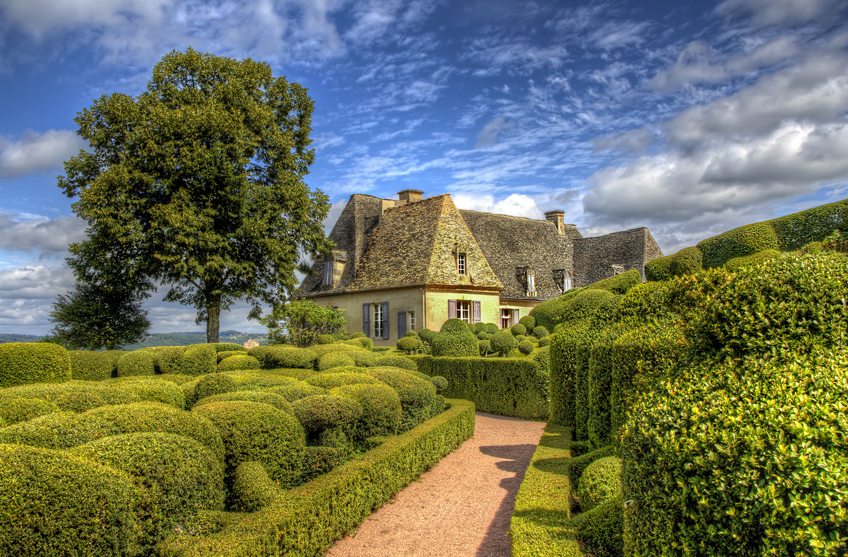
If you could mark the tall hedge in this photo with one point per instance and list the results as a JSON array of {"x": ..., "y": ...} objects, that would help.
[
  {"x": 22, "y": 363},
  {"x": 138, "y": 362},
  {"x": 285, "y": 356},
  {"x": 745, "y": 240},
  {"x": 618, "y": 284},
  {"x": 87, "y": 365},
  {"x": 566, "y": 344}
]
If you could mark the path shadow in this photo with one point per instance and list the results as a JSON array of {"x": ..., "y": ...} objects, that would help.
[{"x": 516, "y": 459}]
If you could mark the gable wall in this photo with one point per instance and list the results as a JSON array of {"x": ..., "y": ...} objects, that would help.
[{"x": 594, "y": 257}]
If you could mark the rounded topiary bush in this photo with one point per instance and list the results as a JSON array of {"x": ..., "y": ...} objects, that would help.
[
  {"x": 363, "y": 359},
  {"x": 417, "y": 396},
  {"x": 518, "y": 329},
  {"x": 55, "y": 504},
  {"x": 265, "y": 397},
  {"x": 546, "y": 341},
  {"x": 227, "y": 347},
  {"x": 322, "y": 349},
  {"x": 491, "y": 328},
  {"x": 182, "y": 477},
  {"x": 453, "y": 326},
  {"x": 21, "y": 409},
  {"x": 366, "y": 343},
  {"x": 396, "y": 361},
  {"x": 334, "y": 359},
  {"x": 526, "y": 347},
  {"x": 257, "y": 380},
  {"x": 739, "y": 263},
  {"x": 333, "y": 380},
  {"x": 503, "y": 343},
  {"x": 234, "y": 363},
  {"x": 59, "y": 430},
  {"x": 297, "y": 390},
  {"x": 528, "y": 321},
  {"x": 355, "y": 342},
  {"x": 87, "y": 365},
  {"x": 326, "y": 339},
  {"x": 22, "y": 363},
  {"x": 227, "y": 353},
  {"x": 687, "y": 261},
  {"x": 198, "y": 359},
  {"x": 167, "y": 358},
  {"x": 409, "y": 345},
  {"x": 208, "y": 385},
  {"x": 153, "y": 389},
  {"x": 485, "y": 347},
  {"x": 252, "y": 489},
  {"x": 426, "y": 335},
  {"x": 381, "y": 408},
  {"x": 259, "y": 432},
  {"x": 320, "y": 413},
  {"x": 483, "y": 335},
  {"x": 454, "y": 340},
  {"x": 137, "y": 362},
  {"x": 74, "y": 396},
  {"x": 519, "y": 338},
  {"x": 600, "y": 482},
  {"x": 601, "y": 529},
  {"x": 540, "y": 332},
  {"x": 439, "y": 382},
  {"x": 706, "y": 458},
  {"x": 357, "y": 335}
]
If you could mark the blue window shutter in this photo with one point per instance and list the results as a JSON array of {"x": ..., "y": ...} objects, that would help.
[
  {"x": 451, "y": 309},
  {"x": 478, "y": 312},
  {"x": 385, "y": 320},
  {"x": 401, "y": 324},
  {"x": 366, "y": 319}
]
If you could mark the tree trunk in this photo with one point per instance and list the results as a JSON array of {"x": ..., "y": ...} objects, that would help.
[{"x": 213, "y": 318}]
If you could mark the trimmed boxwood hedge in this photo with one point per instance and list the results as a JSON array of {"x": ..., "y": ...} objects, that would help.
[
  {"x": 285, "y": 356},
  {"x": 198, "y": 359},
  {"x": 313, "y": 516},
  {"x": 395, "y": 361},
  {"x": 332, "y": 380},
  {"x": 297, "y": 390},
  {"x": 454, "y": 339},
  {"x": 687, "y": 261},
  {"x": 252, "y": 489},
  {"x": 507, "y": 387},
  {"x": 257, "y": 380},
  {"x": 167, "y": 358},
  {"x": 21, "y": 409},
  {"x": 739, "y": 263},
  {"x": 265, "y": 397},
  {"x": 74, "y": 396},
  {"x": 578, "y": 464},
  {"x": 600, "y": 531},
  {"x": 660, "y": 269},
  {"x": 151, "y": 389},
  {"x": 227, "y": 353},
  {"x": 208, "y": 385},
  {"x": 22, "y": 363},
  {"x": 600, "y": 482},
  {"x": 237, "y": 362},
  {"x": 137, "y": 362},
  {"x": 320, "y": 413},
  {"x": 381, "y": 408},
  {"x": 417, "y": 396},
  {"x": 618, "y": 284},
  {"x": 56, "y": 504},
  {"x": 90, "y": 366},
  {"x": 256, "y": 431},
  {"x": 745, "y": 240},
  {"x": 227, "y": 347},
  {"x": 334, "y": 359}
]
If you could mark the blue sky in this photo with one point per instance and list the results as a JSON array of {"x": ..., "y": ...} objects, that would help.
[{"x": 689, "y": 118}]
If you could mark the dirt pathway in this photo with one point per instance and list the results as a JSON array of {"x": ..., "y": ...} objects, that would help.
[{"x": 460, "y": 508}]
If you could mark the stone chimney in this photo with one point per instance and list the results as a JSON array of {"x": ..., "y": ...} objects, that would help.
[
  {"x": 558, "y": 218},
  {"x": 409, "y": 196}
]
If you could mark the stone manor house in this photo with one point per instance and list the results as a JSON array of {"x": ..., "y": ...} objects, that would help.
[{"x": 413, "y": 263}]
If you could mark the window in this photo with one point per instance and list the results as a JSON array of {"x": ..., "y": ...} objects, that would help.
[
  {"x": 378, "y": 321},
  {"x": 460, "y": 263},
  {"x": 566, "y": 284},
  {"x": 531, "y": 284},
  {"x": 411, "y": 315},
  {"x": 328, "y": 273},
  {"x": 505, "y": 315},
  {"x": 463, "y": 310}
]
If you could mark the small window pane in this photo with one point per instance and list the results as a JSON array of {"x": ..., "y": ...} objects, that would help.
[
  {"x": 378, "y": 321},
  {"x": 461, "y": 263},
  {"x": 463, "y": 311}
]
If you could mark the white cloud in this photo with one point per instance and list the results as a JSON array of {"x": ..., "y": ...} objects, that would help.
[
  {"x": 333, "y": 216},
  {"x": 34, "y": 282},
  {"x": 517, "y": 205},
  {"x": 489, "y": 134},
  {"x": 517, "y": 56},
  {"x": 632, "y": 142},
  {"x": 776, "y": 12},
  {"x": 615, "y": 34},
  {"x": 35, "y": 152},
  {"x": 47, "y": 236},
  {"x": 326, "y": 140}
]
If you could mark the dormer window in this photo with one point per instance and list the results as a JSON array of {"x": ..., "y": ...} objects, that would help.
[
  {"x": 562, "y": 279},
  {"x": 461, "y": 263},
  {"x": 328, "y": 273},
  {"x": 531, "y": 283}
]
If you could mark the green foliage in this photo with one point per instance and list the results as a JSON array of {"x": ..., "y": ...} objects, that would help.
[
  {"x": 455, "y": 340},
  {"x": 75, "y": 396},
  {"x": 90, "y": 366},
  {"x": 198, "y": 359},
  {"x": 180, "y": 476},
  {"x": 227, "y": 347},
  {"x": 600, "y": 531},
  {"x": 140, "y": 362},
  {"x": 302, "y": 322},
  {"x": 208, "y": 385},
  {"x": 409, "y": 345},
  {"x": 312, "y": 517},
  {"x": 283, "y": 356},
  {"x": 745, "y": 240},
  {"x": 518, "y": 329},
  {"x": 569, "y": 345},
  {"x": 503, "y": 343},
  {"x": 265, "y": 397},
  {"x": 258, "y": 432},
  {"x": 200, "y": 177},
  {"x": 252, "y": 489},
  {"x": 426, "y": 335},
  {"x": 227, "y": 353},
  {"x": 618, "y": 284},
  {"x": 396, "y": 361},
  {"x": 417, "y": 396},
  {"x": 441, "y": 383},
  {"x": 599, "y": 483},
  {"x": 576, "y": 304},
  {"x": 366, "y": 343},
  {"x": 22, "y": 363},
  {"x": 687, "y": 261},
  {"x": 528, "y": 321},
  {"x": 526, "y": 347},
  {"x": 56, "y": 504},
  {"x": 485, "y": 347},
  {"x": 381, "y": 408},
  {"x": 540, "y": 332},
  {"x": 738, "y": 263},
  {"x": 189, "y": 338},
  {"x": 545, "y": 341},
  {"x": 645, "y": 301},
  {"x": 320, "y": 413},
  {"x": 326, "y": 339},
  {"x": 297, "y": 390},
  {"x": 454, "y": 326},
  {"x": 578, "y": 464},
  {"x": 99, "y": 315},
  {"x": 334, "y": 359},
  {"x": 659, "y": 269},
  {"x": 234, "y": 363},
  {"x": 151, "y": 389},
  {"x": 344, "y": 376},
  {"x": 21, "y": 409},
  {"x": 167, "y": 358}
]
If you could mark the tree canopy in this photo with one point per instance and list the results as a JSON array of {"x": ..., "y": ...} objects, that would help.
[
  {"x": 301, "y": 322},
  {"x": 198, "y": 184}
]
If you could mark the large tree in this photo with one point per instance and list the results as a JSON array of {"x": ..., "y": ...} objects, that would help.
[{"x": 198, "y": 184}]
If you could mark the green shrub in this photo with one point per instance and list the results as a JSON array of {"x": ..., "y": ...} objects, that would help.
[
  {"x": 152, "y": 389},
  {"x": 540, "y": 332},
  {"x": 363, "y": 359},
  {"x": 600, "y": 531},
  {"x": 227, "y": 347},
  {"x": 22, "y": 363},
  {"x": 87, "y": 365},
  {"x": 520, "y": 338},
  {"x": 426, "y": 335},
  {"x": 252, "y": 489},
  {"x": 618, "y": 284},
  {"x": 265, "y": 397},
  {"x": 599, "y": 483},
  {"x": 322, "y": 349},
  {"x": 598, "y": 386},
  {"x": 199, "y": 359},
  {"x": 235, "y": 363},
  {"x": 812, "y": 247},
  {"x": 545, "y": 341},
  {"x": 181, "y": 476},
  {"x": 320, "y": 413},
  {"x": 167, "y": 359},
  {"x": 257, "y": 380},
  {"x": 503, "y": 343},
  {"x": 599, "y": 305},
  {"x": 687, "y": 261},
  {"x": 483, "y": 335},
  {"x": 745, "y": 240},
  {"x": 644, "y": 302},
  {"x": 417, "y": 395},
  {"x": 366, "y": 343},
  {"x": 74, "y": 396},
  {"x": 409, "y": 345},
  {"x": 454, "y": 340},
  {"x": 358, "y": 335},
  {"x": 138, "y": 362},
  {"x": 333, "y": 380},
  {"x": 739, "y": 263},
  {"x": 722, "y": 485},
  {"x": 56, "y": 504},
  {"x": 334, "y": 359},
  {"x": 519, "y": 329},
  {"x": 259, "y": 432},
  {"x": 441, "y": 383},
  {"x": 326, "y": 339},
  {"x": 659, "y": 269},
  {"x": 21, "y": 409},
  {"x": 227, "y": 353},
  {"x": 381, "y": 408},
  {"x": 542, "y": 358},
  {"x": 318, "y": 460},
  {"x": 578, "y": 464},
  {"x": 396, "y": 361},
  {"x": 485, "y": 347},
  {"x": 528, "y": 321},
  {"x": 567, "y": 346},
  {"x": 526, "y": 347},
  {"x": 295, "y": 391},
  {"x": 208, "y": 385},
  {"x": 355, "y": 342}
]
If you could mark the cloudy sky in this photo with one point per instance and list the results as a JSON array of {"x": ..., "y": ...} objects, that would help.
[{"x": 689, "y": 118}]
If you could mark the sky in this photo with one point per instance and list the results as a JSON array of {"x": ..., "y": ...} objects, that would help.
[{"x": 689, "y": 118}]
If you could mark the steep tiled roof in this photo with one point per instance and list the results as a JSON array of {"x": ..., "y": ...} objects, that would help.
[
  {"x": 414, "y": 245},
  {"x": 513, "y": 243}
]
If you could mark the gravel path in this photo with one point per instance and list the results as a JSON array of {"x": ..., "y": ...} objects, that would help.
[{"x": 462, "y": 507}]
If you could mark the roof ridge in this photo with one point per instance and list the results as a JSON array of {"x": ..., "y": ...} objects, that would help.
[{"x": 501, "y": 215}]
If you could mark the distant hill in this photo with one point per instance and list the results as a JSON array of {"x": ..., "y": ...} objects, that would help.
[{"x": 161, "y": 339}]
